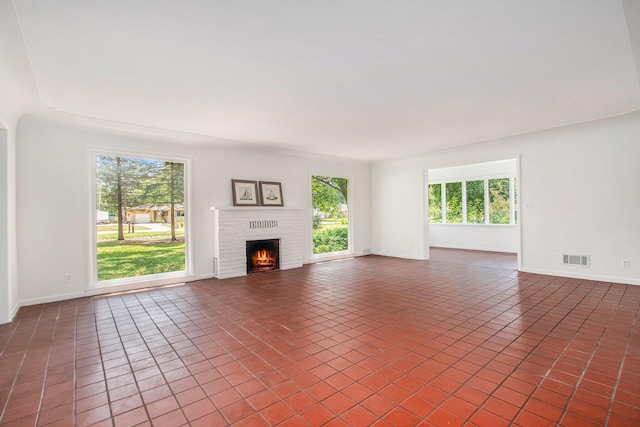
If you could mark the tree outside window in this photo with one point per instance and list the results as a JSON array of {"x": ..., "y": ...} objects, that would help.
[
  {"x": 453, "y": 195},
  {"x": 475, "y": 202},
  {"x": 499, "y": 211},
  {"x": 435, "y": 203}
]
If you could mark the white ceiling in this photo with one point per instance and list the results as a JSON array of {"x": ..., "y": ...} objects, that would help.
[{"x": 367, "y": 79}]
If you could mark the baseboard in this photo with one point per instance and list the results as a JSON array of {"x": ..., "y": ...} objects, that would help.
[
  {"x": 573, "y": 275},
  {"x": 11, "y": 315},
  {"x": 397, "y": 255},
  {"x": 483, "y": 249},
  {"x": 52, "y": 298},
  {"x": 14, "y": 311},
  {"x": 128, "y": 287}
]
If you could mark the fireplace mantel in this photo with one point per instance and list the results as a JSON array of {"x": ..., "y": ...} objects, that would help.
[{"x": 233, "y": 226}]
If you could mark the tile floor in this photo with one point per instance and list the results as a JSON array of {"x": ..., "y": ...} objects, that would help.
[{"x": 369, "y": 341}]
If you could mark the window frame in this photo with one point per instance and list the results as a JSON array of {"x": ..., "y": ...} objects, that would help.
[
  {"x": 150, "y": 280},
  {"x": 443, "y": 184},
  {"x": 484, "y": 201},
  {"x": 338, "y": 254}
]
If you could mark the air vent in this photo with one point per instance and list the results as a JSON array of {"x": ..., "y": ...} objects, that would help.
[
  {"x": 581, "y": 260},
  {"x": 263, "y": 224}
]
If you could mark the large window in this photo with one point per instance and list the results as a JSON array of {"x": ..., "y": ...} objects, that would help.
[
  {"x": 330, "y": 205},
  {"x": 140, "y": 217},
  {"x": 486, "y": 201}
]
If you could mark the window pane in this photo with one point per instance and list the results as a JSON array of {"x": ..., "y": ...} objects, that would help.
[
  {"x": 140, "y": 217},
  {"x": 330, "y": 214},
  {"x": 475, "y": 202},
  {"x": 454, "y": 202},
  {"x": 435, "y": 203},
  {"x": 499, "y": 201}
]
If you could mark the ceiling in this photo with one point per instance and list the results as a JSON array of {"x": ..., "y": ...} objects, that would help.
[{"x": 367, "y": 79}]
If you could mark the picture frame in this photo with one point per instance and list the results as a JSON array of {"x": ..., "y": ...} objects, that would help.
[
  {"x": 271, "y": 193},
  {"x": 245, "y": 193}
]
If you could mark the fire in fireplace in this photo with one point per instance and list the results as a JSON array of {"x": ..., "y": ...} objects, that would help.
[{"x": 263, "y": 255}]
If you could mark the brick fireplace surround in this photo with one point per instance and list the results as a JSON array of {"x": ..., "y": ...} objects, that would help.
[{"x": 233, "y": 227}]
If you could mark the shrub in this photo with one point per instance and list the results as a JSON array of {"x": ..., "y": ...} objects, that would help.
[
  {"x": 317, "y": 219},
  {"x": 333, "y": 240}
]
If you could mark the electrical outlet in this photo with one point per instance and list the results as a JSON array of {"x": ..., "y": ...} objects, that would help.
[
  {"x": 66, "y": 278},
  {"x": 626, "y": 263}
]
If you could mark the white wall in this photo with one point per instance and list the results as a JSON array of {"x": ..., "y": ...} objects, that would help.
[
  {"x": 398, "y": 210},
  {"x": 18, "y": 94},
  {"x": 581, "y": 182},
  {"x": 4, "y": 227},
  {"x": 476, "y": 237},
  {"x": 54, "y": 168},
  {"x": 469, "y": 172},
  {"x": 481, "y": 237}
]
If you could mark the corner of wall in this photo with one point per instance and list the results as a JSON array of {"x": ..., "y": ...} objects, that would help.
[{"x": 6, "y": 303}]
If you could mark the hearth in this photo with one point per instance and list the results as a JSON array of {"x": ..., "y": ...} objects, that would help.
[{"x": 263, "y": 255}]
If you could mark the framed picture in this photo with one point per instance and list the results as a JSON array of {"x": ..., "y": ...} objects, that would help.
[
  {"x": 245, "y": 193},
  {"x": 271, "y": 194}
]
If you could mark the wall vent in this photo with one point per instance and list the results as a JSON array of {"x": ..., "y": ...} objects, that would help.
[
  {"x": 581, "y": 260},
  {"x": 263, "y": 224}
]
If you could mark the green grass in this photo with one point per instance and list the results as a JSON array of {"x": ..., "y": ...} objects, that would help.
[
  {"x": 141, "y": 235},
  {"x": 114, "y": 227},
  {"x": 118, "y": 260},
  {"x": 327, "y": 224}
]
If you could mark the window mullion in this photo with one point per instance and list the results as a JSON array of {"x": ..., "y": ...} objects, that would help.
[
  {"x": 512, "y": 205},
  {"x": 464, "y": 202},
  {"x": 486, "y": 201},
  {"x": 443, "y": 193}
]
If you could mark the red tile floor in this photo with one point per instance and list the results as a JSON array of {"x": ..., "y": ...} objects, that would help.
[{"x": 462, "y": 339}]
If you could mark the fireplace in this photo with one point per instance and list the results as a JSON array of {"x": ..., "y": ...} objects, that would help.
[
  {"x": 263, "y": 255},
  {"x": 234, "y": 226}
]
